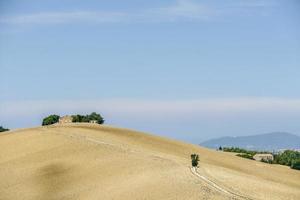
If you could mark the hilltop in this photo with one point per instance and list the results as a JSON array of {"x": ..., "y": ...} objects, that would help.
[
  {"x": 90, "y": 161},
  {"x": 265, "y": 142}
]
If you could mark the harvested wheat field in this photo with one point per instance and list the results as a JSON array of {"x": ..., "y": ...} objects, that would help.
[{"x": 85, "y": 161}]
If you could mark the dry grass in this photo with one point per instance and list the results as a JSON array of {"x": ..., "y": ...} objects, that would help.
[{"x": 84, "y": 161}]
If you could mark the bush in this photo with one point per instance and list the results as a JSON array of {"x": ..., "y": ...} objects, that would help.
[
  {"x": 245, "y": 155},
  {"x": 195, "y": 160},
  {"x": 52, "y": 119},
  {"x": 267, "y": 161},
  {"x": 3, "y": 129}
]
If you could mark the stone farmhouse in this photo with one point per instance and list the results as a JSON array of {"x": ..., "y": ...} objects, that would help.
[
  {"x": 265, "y": 157},
  {"x": 65, "y": 119},
  {"x": 68, "y": 119}
]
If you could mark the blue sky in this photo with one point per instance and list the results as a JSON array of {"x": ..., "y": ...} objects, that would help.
[{"x": 186, "y": 69}]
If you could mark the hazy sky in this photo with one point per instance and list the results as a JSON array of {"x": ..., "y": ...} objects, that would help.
[{"x": 186, "y": 69}]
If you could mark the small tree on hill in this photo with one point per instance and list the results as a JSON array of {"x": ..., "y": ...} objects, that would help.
[
  {"x": 52, "y": 119},
  {"x": 195, "y": 160}
]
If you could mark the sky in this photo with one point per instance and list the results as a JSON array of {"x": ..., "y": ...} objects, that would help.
[{"x": 186, "y": 69}]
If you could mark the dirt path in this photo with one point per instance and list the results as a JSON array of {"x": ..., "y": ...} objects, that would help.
[{"x": 216, "y": 186}]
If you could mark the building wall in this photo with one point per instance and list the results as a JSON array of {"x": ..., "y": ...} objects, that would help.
[
  {"x": 260, "y": 157},
  {"x": 65, "y": 119}
]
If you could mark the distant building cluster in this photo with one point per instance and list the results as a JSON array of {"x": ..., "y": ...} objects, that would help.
[{"x": 93, "y": 118}]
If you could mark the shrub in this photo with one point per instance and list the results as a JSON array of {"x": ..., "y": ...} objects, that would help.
[
  {"x": 267, "y": 161},
  {"x": 52, "y": 119},
  {"x": 3, "y": 129},
  {"x": 195, "y": 160},
  {"x": 245, "y": 155}
]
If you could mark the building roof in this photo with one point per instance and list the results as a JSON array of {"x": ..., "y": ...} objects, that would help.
[{"x": 263, "y": 154}]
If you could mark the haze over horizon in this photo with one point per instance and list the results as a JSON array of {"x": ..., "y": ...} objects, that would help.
[{"x": 186, "y": 69}]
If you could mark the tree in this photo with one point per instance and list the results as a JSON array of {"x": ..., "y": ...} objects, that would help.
[
  {"x": 3, "y": 129},
  {"x": 195, "y": 160},
  {"x": 77, "y": 118},
  {"x": 97, "y": 117},
  {"x": 52, "y": 119},
  {"x": 220, "y": 148}
]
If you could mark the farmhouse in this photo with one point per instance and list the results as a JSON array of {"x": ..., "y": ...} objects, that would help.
[
  {"x": 264, "y": 157},
  {"x": 65, "y": 119}
]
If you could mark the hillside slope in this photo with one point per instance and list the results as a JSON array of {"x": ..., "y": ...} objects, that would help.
[{"x": 84, "y": 161}]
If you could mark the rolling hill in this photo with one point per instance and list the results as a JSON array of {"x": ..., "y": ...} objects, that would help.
[
  {"x": 85, "y": 161},
  {"x": 270, "y": 141}
]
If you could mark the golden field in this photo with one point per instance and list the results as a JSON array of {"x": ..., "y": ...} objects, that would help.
[{"x": 89, "y": 162}]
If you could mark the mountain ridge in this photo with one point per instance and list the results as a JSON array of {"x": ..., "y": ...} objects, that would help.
[{"x": 272, "y": 141}]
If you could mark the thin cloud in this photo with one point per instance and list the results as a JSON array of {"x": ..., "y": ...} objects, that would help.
[
  {"x": 180, "y": 10},
  {"x": 185, "y": 9},
  {"x": 257, "y": 3},
  {"x": 146, "y": 108},
  {"x": 66, "y": 17}
]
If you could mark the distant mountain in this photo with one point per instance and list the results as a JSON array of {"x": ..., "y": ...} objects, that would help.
[{"x": 270, "y": 141}]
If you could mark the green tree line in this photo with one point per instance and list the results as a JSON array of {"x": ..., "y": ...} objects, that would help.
[{"x": 288, "y": 157}]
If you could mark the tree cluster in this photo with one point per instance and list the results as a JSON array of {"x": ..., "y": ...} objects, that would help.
[
  {"x": 51, "y": 119},
  {"x": 295, "y": 164},
  {"x": 289, "y": 158},
  {"x": 87, "y": 118},
  {"x": 3, "y": 129},
  {"x": 242, "y": 151}
]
